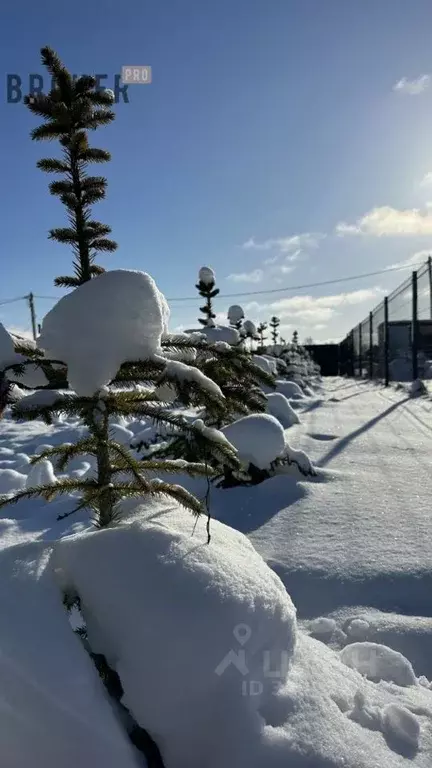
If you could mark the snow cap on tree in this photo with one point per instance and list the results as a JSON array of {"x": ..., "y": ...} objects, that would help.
[
  {"x": 206, "y": 289},
  {"x": 119, "y": 316},
  {"x": 206, "y": 275},
  {"x": 235, "y": 313},
  {"x": 249, "y": 328}
]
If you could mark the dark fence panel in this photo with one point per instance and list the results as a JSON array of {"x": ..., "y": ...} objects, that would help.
[
  {"x": 394, "y": 343},
  {"x": 327, "y": 357}
]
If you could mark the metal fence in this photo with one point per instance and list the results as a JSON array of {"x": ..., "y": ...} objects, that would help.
[{"x": 394, "y": 343}]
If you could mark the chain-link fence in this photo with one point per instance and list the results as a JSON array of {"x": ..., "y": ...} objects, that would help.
[{"x": 394, "y": 343}]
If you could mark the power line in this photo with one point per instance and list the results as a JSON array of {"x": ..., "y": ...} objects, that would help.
[
  {"x": 11, "y": 301},
  {"x": 288, "y": 288},
  {"x": 307, "y": 285}
]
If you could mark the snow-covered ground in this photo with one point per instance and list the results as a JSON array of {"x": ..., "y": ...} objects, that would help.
[{"x": 352, "y": 546}]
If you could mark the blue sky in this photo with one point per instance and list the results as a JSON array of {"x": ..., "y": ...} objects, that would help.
[{"x": 275, "y": 124}]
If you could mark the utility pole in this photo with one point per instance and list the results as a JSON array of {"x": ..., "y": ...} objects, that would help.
[
  {"x": 30, "y": 299},
  {"x": 429, "y": 263}
]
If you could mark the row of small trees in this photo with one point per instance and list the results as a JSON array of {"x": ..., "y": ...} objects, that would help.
[{"x": 206, "y": 287}]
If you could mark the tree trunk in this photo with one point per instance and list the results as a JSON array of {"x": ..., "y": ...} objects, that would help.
[{"x": 105, "y": 498}]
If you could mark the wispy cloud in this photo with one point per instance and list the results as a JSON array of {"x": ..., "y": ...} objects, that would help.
[
  {"x": 288, "y": 244},
  {"x": 416, "y": 260},
  {"x": 247, "y": 277},
  {"x": 388, "y": 221},
  {"x": 412, "y": 87},
  {"x": 313, "y": 310},
  {"x": 426, "y": 180}
]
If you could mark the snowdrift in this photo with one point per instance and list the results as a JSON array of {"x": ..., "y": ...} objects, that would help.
[{"x": 202, "y": 636}]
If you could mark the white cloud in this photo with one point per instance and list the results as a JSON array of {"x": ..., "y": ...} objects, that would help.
[
  {"x": 247, "y": 277},
  {"x": 388, "y": 221},
  {"x": 426, "y": 180},
  {"x": 412, "y": 87},
  {"x": 416, "y": 260},
  {"x": 288, "y": 245},
  {"x": 313, "y": 310}
]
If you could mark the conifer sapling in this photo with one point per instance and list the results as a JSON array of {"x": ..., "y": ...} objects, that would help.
[
  {"x": 70, "y": 110},
  {"x": 206, "y": 289}
]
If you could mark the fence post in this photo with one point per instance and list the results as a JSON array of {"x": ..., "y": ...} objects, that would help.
[
  {"x": 429, "y": 262},
  {"x": 352, "y": 364},
  {"x": 386, "y": 342},
  {"x": 370, "y": 345},
  {"x": 360, "y": 350},
  {"x": 414, "y": 327}
]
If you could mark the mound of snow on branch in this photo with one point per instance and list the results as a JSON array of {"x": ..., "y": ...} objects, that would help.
[
  {"x": 41, "y": 473},
  {"x": 258, "y": 438},
  {"x": 279, "y": 407},
  {"x": 264, "y": 364},
  {"x": 120, "y": 315},
  {"x": 221, "y": 333},
  {"x": 11, "y": 480},
  {"x": 290, "y": 389},
  {"x": 189, "y": 627},
  {"x": 33, "y": 375}
]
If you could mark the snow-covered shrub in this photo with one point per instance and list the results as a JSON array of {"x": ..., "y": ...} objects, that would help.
[
  {"x": 191, "y": 630},
  {"x": 110, "y": 332},
  {"x": 290, "y": 389},
  {"x": 279, "y": 407},
  {"x": 259, "y": 440}
]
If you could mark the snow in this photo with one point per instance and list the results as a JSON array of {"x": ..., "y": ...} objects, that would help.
[
  {"x": 263, "y": 363},
  {"x": 42, "y": 397},
  {"x": 401, "y": 724},
  {"x": 249, "y": 328},
  {"x": 290, "y": 389},
  {"x": 222, "y": 333},
  {"x": 322, "y": 626},
  {"x": 41, "y": 473},
  {"x": 235, "y": 313},
  {"x": 118, "y": 316},
  {"x": 358, "y": 628},
  {"x": 120, "y": 434},
  {"x": 11, "y": 480},
  {"x": 182, "y": 372},
  {"x": 206, "y": 275},
  {"x": 363, "y": 530},
  {"x": 7, "y": 350},
  {"x": 352, "y": 546},
  {"x": 54, "y": 710},
  {"x": 299, "y": 458},
  {"x": 231, "y": 618},
  {"x": 258, "y": 438},
  {"x": 377, "y": 662},
  {"x": 279, "y": 407},
  {"x": 33, "y": 376}
]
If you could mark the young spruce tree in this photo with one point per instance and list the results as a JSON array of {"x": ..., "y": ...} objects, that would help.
[
  {"x": 118, "y": 474},
  {"x": 70, "y": 110},
  {"x": 274, "y": 325},
  {"x": 261, "y": 330},
  {"x": 206, "y": 289}
]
